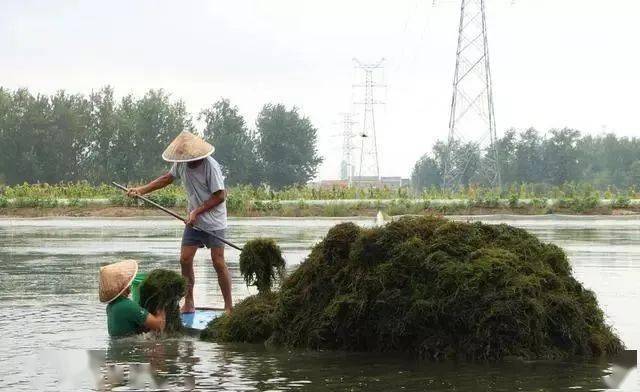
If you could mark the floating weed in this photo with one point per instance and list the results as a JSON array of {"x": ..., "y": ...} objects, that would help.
[
  {"x": 261, "y": 263},
  {"x": 436, "y": 288},
  {"x": 163, "y": 289}
]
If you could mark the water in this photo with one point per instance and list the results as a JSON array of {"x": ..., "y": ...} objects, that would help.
[{"x": 53, "y": 329}]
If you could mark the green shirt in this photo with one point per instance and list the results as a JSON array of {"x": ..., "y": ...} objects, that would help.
[{"x": 125, "y": 317}]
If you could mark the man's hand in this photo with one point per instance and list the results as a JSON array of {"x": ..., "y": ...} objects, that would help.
[
  {"x": 133, "y": 192},
  {"x": 191, "y": 219}
]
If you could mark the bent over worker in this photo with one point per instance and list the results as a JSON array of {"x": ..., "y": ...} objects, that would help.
[
  {"x": 204, "y": 186},
  {"x": 125, "y": 317}
]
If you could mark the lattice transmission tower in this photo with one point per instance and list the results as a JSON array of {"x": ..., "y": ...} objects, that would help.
[
  {"x": 347, "y": 168},
  {"x": 369, "y": 164},
  {"x": 472, "y": 142}
]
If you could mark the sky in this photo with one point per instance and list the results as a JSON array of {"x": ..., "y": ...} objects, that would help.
[{"x": 554, "y": 63}]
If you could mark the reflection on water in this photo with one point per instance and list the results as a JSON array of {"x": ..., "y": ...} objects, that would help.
[{"x": 54, "y": 330}]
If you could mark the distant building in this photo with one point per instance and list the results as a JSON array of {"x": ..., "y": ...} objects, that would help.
[{"x": 393, "y": 182}]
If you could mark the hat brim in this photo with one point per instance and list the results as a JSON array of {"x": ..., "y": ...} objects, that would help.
[
  {"x": 125, "y": 287},
  {"x": 135, "y": 272},
  {"x": 189, "y": 159}
]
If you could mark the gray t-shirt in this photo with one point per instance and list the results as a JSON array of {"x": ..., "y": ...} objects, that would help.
[{"x": 200, "y": 184}]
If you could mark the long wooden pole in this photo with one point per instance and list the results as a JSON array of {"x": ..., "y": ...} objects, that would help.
[{"x": 175, "y": 215}]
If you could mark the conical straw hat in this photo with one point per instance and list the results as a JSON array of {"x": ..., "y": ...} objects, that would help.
[
  {"x": 187, "y": 147},
  {"x": 115, "y": 278}
]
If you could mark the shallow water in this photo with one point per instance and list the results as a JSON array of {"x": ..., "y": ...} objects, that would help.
[{"x": 54, "y": 329}]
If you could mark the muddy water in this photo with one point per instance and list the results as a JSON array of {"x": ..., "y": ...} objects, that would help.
[{"x": 53, "y": 329}]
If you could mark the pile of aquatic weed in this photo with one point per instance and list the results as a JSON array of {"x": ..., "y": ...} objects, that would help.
[
  {"x": 253, "y": 319},
  {"x": 433, "y": 287},
  {"x": 163, "y": 289}
]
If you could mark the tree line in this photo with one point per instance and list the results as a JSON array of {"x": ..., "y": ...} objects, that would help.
[
  {"x": 97, "y": 138},
  {"x": 527, "y": 156}
]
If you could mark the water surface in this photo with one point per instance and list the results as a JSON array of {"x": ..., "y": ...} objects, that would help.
[{"x": 54, "y": 329}]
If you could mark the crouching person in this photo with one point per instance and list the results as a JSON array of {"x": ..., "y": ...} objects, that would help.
[{"x": 124, "y": 316}]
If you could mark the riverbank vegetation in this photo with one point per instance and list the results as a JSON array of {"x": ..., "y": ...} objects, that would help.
[
  {"x": 432, "y": 287},
  {"x": 81, "y": 198}
]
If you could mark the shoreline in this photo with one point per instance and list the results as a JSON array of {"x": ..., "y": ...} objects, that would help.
[{"x": 309, "y": 211}]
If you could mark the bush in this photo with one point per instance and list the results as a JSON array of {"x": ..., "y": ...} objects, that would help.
[
  {"x": 622, "y": 201},
  {"x": 4, "y": 202},
  {"x": 266, "y": 206},
  {"x": 35, "y": 202},
  {"x": 75, "y": 202},
  {"x": 165, "y": 200},
  {"x": 514, "y": 200},
  {"x": 433, "y": 287},
  {"x": 121, "y": 200},
  {"x": 539, "y": 203}
]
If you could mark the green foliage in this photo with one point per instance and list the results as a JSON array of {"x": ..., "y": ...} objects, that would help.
[
  {"x": 513, "y": 200},
  {"x": 265, "y": 206},
  {"x": 580, "y": 203},
  {"x": 235, "y": 146},
  {"x": 561, "y": 156},
  {"x": 292, "y": 201},
  {"x": 75, "y": 202},
  {"x": 35, "y": 202},
  {"x": 4, "y": 202},
  {"x": 163, "y": 289},
  {"x": 261, "y": 263},
  {"x": 622, "y": 201},
  {"x": 426, "y": 173},
  {"x": 164, "y": 199},
  {"x": 286, "y": 146},
  {"x": 99, "y": 138},
  {"x": 433, "y": 287},
  {"x": 66, "y": 137}
]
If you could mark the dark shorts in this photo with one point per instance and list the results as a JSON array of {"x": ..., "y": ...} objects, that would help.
[{"x": 193, "y": 237}]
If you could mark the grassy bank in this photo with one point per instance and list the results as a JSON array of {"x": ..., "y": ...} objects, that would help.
[
  {"x": 102, "y": 208},
  {"x": 82, "y": 199}
]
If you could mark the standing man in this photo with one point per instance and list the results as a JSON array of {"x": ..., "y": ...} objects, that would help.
[{"x": 204, "y": 185}]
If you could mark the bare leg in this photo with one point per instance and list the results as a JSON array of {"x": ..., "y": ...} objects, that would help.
[
  {"x": 224, "y": 277},
  {"x": 186, "y": 265}
]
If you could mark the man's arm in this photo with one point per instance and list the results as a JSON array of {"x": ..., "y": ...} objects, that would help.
[
  {"x": 158, "y": 183},
  {"x": 156, "y": 322},
  {"x": 215, "y": 199}
]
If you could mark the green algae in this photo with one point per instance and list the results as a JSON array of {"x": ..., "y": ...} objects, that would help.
[
  {"x": 431, "y": 287},
  {"x": 163, "y": 289},
  {"x": 261, "y": 263},
  {"x": 252, "y": 321}
]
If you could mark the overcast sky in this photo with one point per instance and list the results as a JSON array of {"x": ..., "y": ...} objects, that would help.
[{"x": 555, "y": 63}]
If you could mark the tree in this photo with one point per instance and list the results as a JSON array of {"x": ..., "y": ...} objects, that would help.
[
  {"x": 528, "y": 157},
  {"x": 235, "y": 147},
  {"x": 561, "y": 157},
  {"x": 157, "y": 123},
  {"x": 507, "y": 155},
  {"x": 286, "y": 146},
  {"x": 102, "y": 157},
  {"x": 426, "y": 173}
]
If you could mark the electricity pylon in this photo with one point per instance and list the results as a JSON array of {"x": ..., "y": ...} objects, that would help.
[
  {"x": 347, "y": 168},
  {"x": 369, "y": 160},
  {"x": 472, "y": 141}
]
